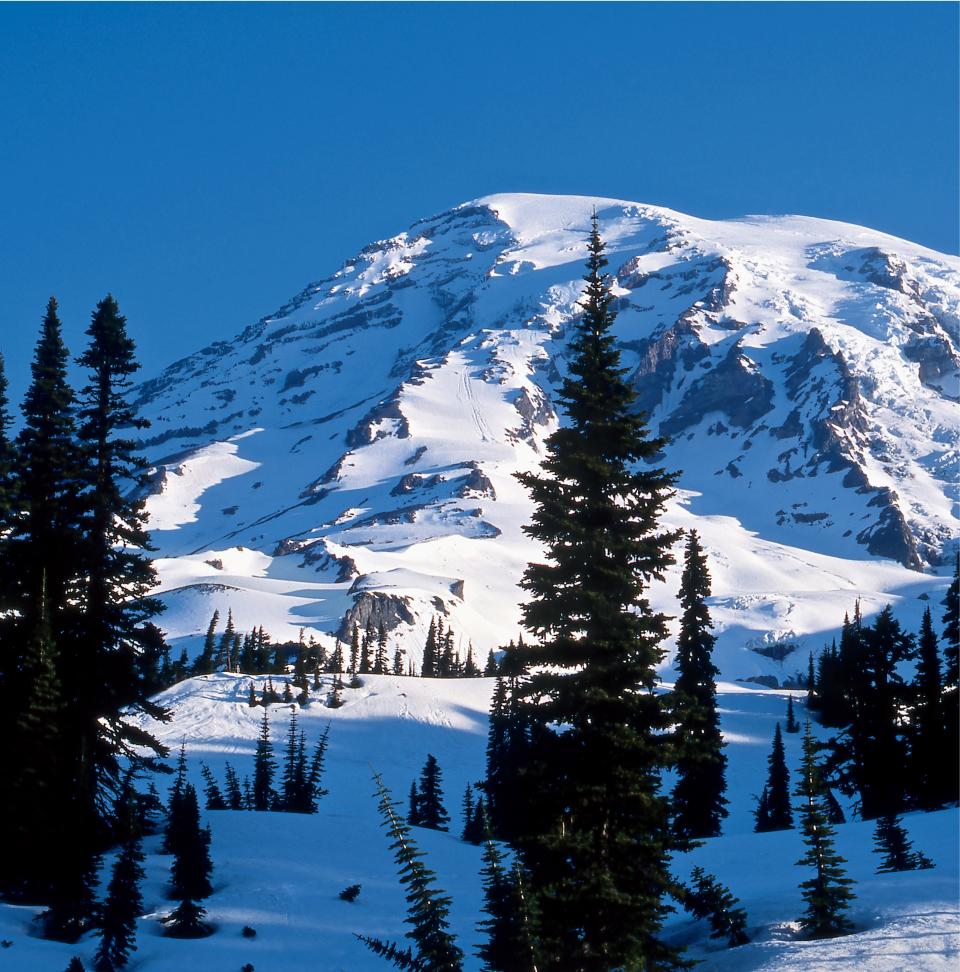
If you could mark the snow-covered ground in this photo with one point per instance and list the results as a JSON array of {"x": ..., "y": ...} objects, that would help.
[{"x": 281, "y": 873}]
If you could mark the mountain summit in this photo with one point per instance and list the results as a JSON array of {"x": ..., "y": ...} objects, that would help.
[{"x": 352, "y": 455}]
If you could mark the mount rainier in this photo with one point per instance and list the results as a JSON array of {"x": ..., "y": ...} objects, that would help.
[{"x": 352, "y": 455}]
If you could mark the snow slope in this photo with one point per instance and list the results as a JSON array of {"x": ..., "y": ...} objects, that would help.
[
  {"x": 281, "y": 873},
  {"x": 353, "y": 455}
]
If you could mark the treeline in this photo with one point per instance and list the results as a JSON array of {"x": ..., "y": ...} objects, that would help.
[
  {"x": 367, "y": 652},
  {"x": 79, "y": 654}
]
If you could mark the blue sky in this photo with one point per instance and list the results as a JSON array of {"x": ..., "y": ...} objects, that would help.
[{"x": 205, "y": 162}]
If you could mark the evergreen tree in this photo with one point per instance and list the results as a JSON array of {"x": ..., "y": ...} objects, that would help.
[
  {"x": 187, "y": 921},
  {"x": 434, "y": 948},
  {"x": 39, "y": 569},
  {"x": 429, "y": 667},
  {"x": 334, "y": 700},
  {"x": 466, "y": 811},
  {"x": 951, "y": 683},
  {"x": 470, "y": 669},
  {"x": 214, "y": 797},
  {"x": 761, "y": 814},
  {"x": 380, "y": 662},
  {"x": 869, "y": 757},
  {"x": 109, "y": 664},
  {"x": 221, "y": 661},
  {"x": 336, "y": 659},
  {"x": 287, "y": 693},
  {"x": 355, "y": 650},
  {"x": 431, "y": 810},
  {"x": 778, "y": 814},
  {"x": 891, "y": 840},
  {"x": 508, "y": 945},
  {"x": 366, "y": 648},
  {"x": 490, "y": 669},
  {"x": 699, "y": 804},
  {"x": 927, "y": 742},
  {"x": 252, "y": 699},
  {"x": 264, "y": 766},
  {"x": 792, "y": 725},
  {"x": 118, "y": 919},
  {"x": 596, "y": 832},
  {"x": 234, "y": 793},
  {"x": 7, "y": 461},
  {"x": 827, "y": 894},
  {"x": 205, "y": 660},
  {"x": 191, "y": 869},
  {"x": 708, "y": 899},
  {"x": 398, "y": 661},
  {"x": 413, "y": 805},
  {"x": 31, "y": 808}
]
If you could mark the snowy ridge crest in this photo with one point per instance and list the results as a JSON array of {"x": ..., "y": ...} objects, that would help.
[{"x": 353, "y": 454}]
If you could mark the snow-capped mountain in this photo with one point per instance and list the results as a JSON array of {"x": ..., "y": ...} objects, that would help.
[{"x": 353, "y": 453}]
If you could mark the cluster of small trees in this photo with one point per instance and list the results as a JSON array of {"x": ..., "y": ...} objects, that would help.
[
  {"x": 299, "y": 782},
  {"x": 80, "y": 655},
  {"x": 896, "y": 747}
]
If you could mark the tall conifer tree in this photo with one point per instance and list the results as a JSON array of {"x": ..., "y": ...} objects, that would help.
[
  {"x": 595, "y": 830},
  {"x": 699, "y": 803},
  {"x": 827, "y": 894}
]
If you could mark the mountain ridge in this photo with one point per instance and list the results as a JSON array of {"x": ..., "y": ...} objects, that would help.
[{"x": 363, "y": 438}]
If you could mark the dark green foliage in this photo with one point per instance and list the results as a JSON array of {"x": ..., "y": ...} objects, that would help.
[
  {"x": 508, "y": 945},
  {"x": 205, "y": 660},
  {"x": 7, "y": 460},
  {"x": 869, "y": 757},
  {"x": 287, "y": 693},
  {"x": 698, "y": 801},
  {"x": 191, "y": 869},
  {"x": 593, "y": 828},
  {"x": 334, "y": 699},
  {"x": 470, "y": 669},
  {"x": 891, "y": 840},
  {"x": 252, "y": 699},
  {"x": 214, "y": 797},
  {"x": 929, "y": 777},
  {"x": 761, "y": 813},
  {"x": 431, "y": 812},
  {"x": 264, "y": 767},
  {"x": 335, "y": 665},
  {"x": 350, "y": 893},
  {"x": 951, "y": 688},
  {"x": 490, "y": 669},
  {"x": 430, "y": 657},
  {"x": 708, "y": 899},
  {"x": 791, "y": 725},
  {"x": 108, "y": 669},
  {"x": 827, "y": 894},
  {"x": 380, "y": 661},
  {"x": 413, "y": 805},
  {"x": 118, "y": 918},
  {"x": 187, "y": 921},
  {"x": 234, "y": 793},
  {"x": 774, "y": 812},
  {"x": 366, "y": 648},
  {"x": 434, "y": 948},
  {"x": 398, "y": 661}
]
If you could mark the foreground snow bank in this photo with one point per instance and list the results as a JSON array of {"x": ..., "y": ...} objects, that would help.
[{"x": 281, "y": 873}]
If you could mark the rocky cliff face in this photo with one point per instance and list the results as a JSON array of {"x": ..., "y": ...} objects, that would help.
[{"x": 359, "y": 445}]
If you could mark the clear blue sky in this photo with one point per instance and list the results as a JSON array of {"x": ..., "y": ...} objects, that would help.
[{"x": 205, "y": 162}]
